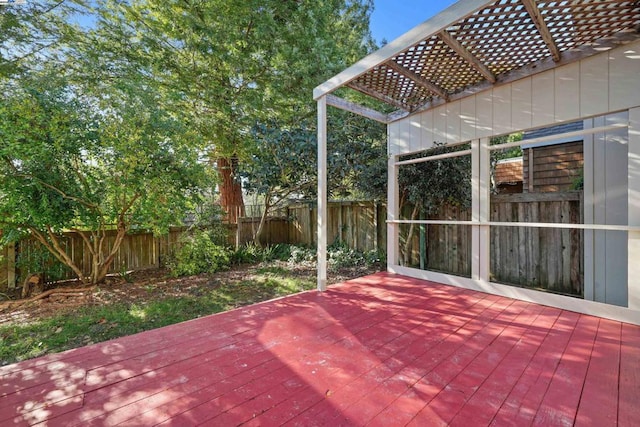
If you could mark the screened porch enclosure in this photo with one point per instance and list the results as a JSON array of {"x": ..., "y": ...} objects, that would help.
[{"x": 565, "y": 75}]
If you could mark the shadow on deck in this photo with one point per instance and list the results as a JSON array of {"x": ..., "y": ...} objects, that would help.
[{"x": 379, "y": 350}]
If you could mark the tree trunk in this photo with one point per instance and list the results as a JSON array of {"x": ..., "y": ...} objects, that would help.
[
  {"x": 49, "y": 240},
  {"x": 259, "y": 236},
  {"x": 407, "y": 244},
  {"x": 230, "y": 189}
]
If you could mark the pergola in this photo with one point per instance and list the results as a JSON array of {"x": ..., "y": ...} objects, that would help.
[{"x": 483, "y": 68}]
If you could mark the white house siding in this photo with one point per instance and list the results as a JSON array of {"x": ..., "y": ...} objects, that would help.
[
  {"x": 593, "y": 86},
  {"x": 606, "y": 202},
  {"x": 587, "y": 89}
]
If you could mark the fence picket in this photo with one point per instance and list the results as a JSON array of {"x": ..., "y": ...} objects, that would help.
[{"x": 547, "y": 258}]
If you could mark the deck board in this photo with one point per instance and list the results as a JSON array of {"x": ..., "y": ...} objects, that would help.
[{"x": 382, "y": 350}]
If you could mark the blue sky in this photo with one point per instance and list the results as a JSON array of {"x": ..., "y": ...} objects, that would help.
[{"x": 392, "y": 18}]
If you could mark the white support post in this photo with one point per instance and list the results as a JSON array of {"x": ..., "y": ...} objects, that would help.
[
  {"x": 484, "y": 194},
  {"x": 393, "y": 213},
  {"x": 588, "y": 213},
  {"x": 475, "y": 209},
  {"x": 633, "y": 256},
  {"x": 322, "y": 194}
]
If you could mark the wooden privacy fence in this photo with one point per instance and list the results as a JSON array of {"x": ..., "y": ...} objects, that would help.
[
  {"x": 138, "y": 251},
  {"x": 359, "y": 225},
  {"x": 543, "y": 258}
]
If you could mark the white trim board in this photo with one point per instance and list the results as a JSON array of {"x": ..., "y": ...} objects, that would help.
[
  {"x": 563, "y": 225},
  {"x": 592, "y": 308}
]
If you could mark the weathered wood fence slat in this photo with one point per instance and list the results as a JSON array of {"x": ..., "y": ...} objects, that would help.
[
  {"x": 357, "y": 224},
  {"x": 542, "y": 258}
]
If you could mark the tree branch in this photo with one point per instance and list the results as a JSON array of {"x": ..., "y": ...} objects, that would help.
[{"x": 56, "y": 189}]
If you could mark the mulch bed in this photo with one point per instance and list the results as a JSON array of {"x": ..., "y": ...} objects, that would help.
[{"x": 141, "y": 287}]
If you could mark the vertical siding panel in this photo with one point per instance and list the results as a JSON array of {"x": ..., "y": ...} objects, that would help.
[
  {"x": 426, "y": 121},
  {"x": 633, "y": 208},
  {"x": 616, "y": 210},
  {"x": 542, "y": 98},
  {"x": 484, "y": 114},
  {"x": 453, "y": 122},
  {"x": 415, "y": 143},
  {"x": 567, "y": 99},
  {"x": 468, "y": 118},
  {"x": 394, "y": 137},
  {"x": 404, "y": 140},
  {"x": 440, "y": 124},
  {"x": 521, "y": 112},
  {"x": 624, "y": 84},
  {"x": 594, "y": 86},
  {"x": 502, "y": 110}
]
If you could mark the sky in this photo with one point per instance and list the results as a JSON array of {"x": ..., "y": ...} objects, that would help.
[{"x": 392, "y": 18}]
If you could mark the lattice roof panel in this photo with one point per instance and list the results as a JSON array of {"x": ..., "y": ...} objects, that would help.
[
  {"x": 438, "y": 63},
  {"x": 574, "y": 24},
  {"x": 393, "y": 86},
  {"x": 489, "y": 41},
  {"x": 503, "y": 36}
]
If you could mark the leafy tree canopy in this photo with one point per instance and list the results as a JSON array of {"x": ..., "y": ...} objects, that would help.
[
  {"x": 431, "y": 184},
  {"x": 35, "y": 32},
  {"x": 229, "y": 64},
  {"x": 75, "y": 162}
]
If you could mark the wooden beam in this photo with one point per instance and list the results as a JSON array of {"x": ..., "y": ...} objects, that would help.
[
  {"x": 538, "y": 21},
  {"x": 379, "y": 96},
  {"x": 454, "y": 13},
  {"x": 418, "y": 79},
  {"x": 358, "y": 109},
  {"x": 455, "y": 45}
]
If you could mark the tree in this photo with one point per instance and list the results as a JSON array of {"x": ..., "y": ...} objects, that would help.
[
  {"x": 35, "y": 32},
  {"x": 72, "y": 162},
  {"x": 284, "y": 161},
  {"x": 228, "y": 65},
  {"x": 280, "y": 167},
  {"x": 426, "y": 186}
]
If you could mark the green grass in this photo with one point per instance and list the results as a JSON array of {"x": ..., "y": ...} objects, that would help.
[{"x": 100, "y": 323}]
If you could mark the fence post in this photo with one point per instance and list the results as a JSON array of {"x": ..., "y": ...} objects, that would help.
[
  {"x": 238, "y": 232},
  {"x": 311, "y": 229},
  {"x": 375, "y": 225}
]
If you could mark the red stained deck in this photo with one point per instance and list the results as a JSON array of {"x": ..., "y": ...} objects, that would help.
[{"x": 382, "y": 350}]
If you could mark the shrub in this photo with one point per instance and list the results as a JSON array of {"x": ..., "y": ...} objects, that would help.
[
  {"x": 199, "y": 254},
  {"x": 279, "y": 252},
  {"x": 247, "y": 254},
  {"x": 300, "y": 254},
  {"x": 252, "y": 253},
  {"x": 339, "y": 255}
]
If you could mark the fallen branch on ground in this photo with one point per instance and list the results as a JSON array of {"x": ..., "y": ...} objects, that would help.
[{"x": 68, "y": 292}]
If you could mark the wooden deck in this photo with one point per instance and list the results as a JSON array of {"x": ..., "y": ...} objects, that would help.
[{"x": 382, "y": 350}]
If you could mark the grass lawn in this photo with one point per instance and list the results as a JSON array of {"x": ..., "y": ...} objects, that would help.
[{"x": 140, "y": 306}]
